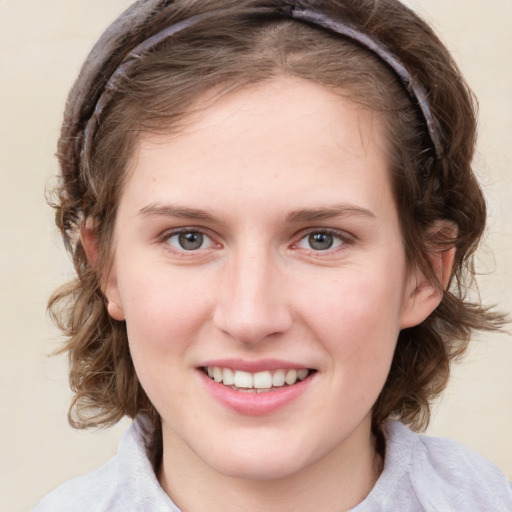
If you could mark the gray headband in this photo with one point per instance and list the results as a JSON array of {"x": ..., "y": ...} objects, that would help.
[{"x": 415, "y": 89}]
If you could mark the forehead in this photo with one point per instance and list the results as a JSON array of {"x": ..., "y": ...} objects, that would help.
[{"x": 285, "y": 136}]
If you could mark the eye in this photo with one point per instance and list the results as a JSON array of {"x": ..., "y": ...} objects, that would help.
[
  {"x": 321, "y": 241},
  {"x": 189, "y": 240}
]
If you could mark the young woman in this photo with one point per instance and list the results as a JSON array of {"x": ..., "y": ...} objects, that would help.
[{"x": 272, "y": 213}]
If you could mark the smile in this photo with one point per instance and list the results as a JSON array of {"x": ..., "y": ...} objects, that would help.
[
  {"x": 256, "y": 388},
  {"x": 258, "y": 382}
]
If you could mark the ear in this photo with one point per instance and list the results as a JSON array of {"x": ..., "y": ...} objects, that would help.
[
  {"x": 422, "y": 296},
  {"x": 109, "y": 287},
  {"x": 89, "y": 241}
]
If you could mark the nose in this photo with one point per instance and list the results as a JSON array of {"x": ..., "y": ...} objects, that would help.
[{"x": 252, "y": 304}]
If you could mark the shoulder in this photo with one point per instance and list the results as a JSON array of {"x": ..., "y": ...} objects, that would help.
[
  {"x": 95, "y": 491},
  {"x": 126, "y": 482},
  {"x": 440, "y": 474}
]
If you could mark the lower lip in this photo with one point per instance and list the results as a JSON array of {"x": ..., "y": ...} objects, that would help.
[{"x": 255, "y": 404}]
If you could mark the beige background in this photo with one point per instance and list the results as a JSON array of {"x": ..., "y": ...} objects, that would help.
[{"x": 42, "y": 44}]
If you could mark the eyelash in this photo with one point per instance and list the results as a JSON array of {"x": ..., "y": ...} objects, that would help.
[
  {"x": 169, "y": 235},
  {"x": 342, "y": 238}
]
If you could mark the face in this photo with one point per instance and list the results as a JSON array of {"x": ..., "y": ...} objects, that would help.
[{"x": 259, "y": 266}]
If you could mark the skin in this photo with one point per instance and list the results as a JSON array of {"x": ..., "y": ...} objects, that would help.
[{"x": 251, "y": 172}]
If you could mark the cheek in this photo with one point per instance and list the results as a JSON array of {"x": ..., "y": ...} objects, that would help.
[
  {"x": 357, "y": 319},
  {"x": 163, "y": 313},
  {"x": 360, "y": 306},
  {"x": 163, "y": 319}
]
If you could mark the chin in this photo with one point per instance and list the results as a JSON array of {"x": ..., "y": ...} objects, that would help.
[
  {"x": 260, "y": 468},
  {"x": 262, "y": 461}
]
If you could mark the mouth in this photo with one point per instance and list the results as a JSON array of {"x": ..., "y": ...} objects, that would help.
[{"x": 259, "y": 382}]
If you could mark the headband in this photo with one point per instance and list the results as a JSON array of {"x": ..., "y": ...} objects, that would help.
[{"x": 416, "y": 91}]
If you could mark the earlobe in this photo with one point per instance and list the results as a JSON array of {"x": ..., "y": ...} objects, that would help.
[
  {"x": 109, "y": 284},
  {"x": 89, "y": 241},
  {"x": 114, "y": 309},
  {"x": 112, "y": 296},
  {"x": 422, "y": 296},
  {"x": 111, "y": 291}
]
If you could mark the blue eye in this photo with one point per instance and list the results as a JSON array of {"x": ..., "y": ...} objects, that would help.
[
  {"x": 189, "y": 240},
  {"x": 321, "y": 241}
]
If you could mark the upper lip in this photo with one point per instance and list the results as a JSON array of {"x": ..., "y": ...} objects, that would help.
[{"x": 254, "y": 366}]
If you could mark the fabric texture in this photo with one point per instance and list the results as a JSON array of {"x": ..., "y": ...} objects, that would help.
[{"x": 421, "y": 474}]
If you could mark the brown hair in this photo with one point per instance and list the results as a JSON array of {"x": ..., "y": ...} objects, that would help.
[{"x": 230, "y": 49}]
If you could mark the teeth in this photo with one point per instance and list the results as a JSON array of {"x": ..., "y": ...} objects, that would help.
[
  {"x": 228, "y": 377},
  {"x": 256, "y": 382},
  {"x": 243, "y": 379},
  {"x": 291, "y": 377},
  {"x": 262, "y": 380},
  {"x": 217, "y": 374},
  {"x": 278, "y": 378},
  {"x": 302, "y": 374}
]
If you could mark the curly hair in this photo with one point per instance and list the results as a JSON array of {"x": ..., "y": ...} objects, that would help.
[{"x": 231, "y": 49}]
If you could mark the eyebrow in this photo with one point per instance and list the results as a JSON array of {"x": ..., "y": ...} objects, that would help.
[
  {"x": 314, "y": 214},
  {"x": 295, "y": 217},
  {"x": 155, "y": 210}
]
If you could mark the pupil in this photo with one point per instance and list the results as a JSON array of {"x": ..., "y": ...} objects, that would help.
[
  {"x": 190, "y": 241},
  {"x": 321, "y": 241}
]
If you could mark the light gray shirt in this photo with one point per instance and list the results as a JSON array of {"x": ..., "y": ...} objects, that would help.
[{"x": 421, "y": 474}]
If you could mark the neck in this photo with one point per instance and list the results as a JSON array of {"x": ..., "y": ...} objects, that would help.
[{"x": 339, "y": 481}]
